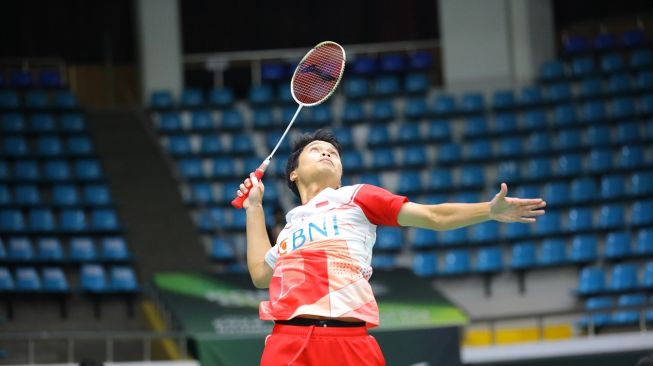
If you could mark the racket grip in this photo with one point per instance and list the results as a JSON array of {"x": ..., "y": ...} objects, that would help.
[{"x": 238, "y": 201}]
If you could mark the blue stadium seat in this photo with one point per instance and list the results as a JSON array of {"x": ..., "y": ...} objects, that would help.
[
  {"x": 378, "y": 135},
  {"x": 592, "y": 281},
  {"x": 201, "y": 120},
  {"x": 221, "y": 97},
  {"x": 548, "y": 224},
  {"x": 647, "y": 276},
  {"x": 641, "y": 183},
  {"x": 49, "y": 146},
  {"x": 552, "y": 70},
  {"x": 644, "y": 243},
  {"x": 502, "y": 99},
  {"x": 416, "y": 83},
  {"x": 41, "y": 220},
  {"x": 20, "y": 78},
  {"x": 485, "y": 232},
  {"x": 604, "y": 42},
  {"x": 489, "y": 260},
  {"x": 4, "y": 170},
  {"x": 583, "y": 190},
  {"x": 223, "y": 167},
  {"x": 439, "y": 130},
  {"x": 49, "y": 249},
  {"x": 170, "y": 122},
  {"x": 27, "y": 280},
  {"x": 424, "y": 238},
  {"x": 82, "y": 249},
  {"x": 523, "y": 255},
  {"x": 54, "y": 280},
  {"x": 272, "y": 71},
  {"x": 15, "y": 147},
  {"x": 568, "y": 165},
  {"x": 242, "y": 144},
  {"x": 634, "y": 38},
  {"x": 104, "y": 219},
  {"x": 36, "y": 99},
  {"x": 371, "y": 178},
  {"x": 598, "y": 136},
  {"x": 6, "y": 198},
  {"x": 356, "y": 88},
  {"x": 613, "y": 186},
  {"x": 123, "y": 279},
  {"x": 210, "y": 144},
  {"x": 536, "y": 120},
  {"x": 472, "y": 176},
  {"x": 559, "y": 92},
  {"x": 641, "y": 58},
  {"x": 414, "y": 156},
  {"x": 383, "y": 110},
  {"x": 72, "y": 220},
  {"x": 222, "y": 249},
  {"x": 13, "y": 122},
  {"x": 553, "y": 252},
  {"x": 630, "y": 157},
  {"x": 479, "y": 150},
  {"x": 202, "y": 193},
  {"x": 457, "y": 262},
  {"x": 600, "y": 160},
  {"x": 623, "y": 108},
  {"x": 646, "y": 106},
  {"x": 580, "y": 219},
  {"x": 386, "y": 85},
  {"x": 384, "y": 261},
  {"x": 530, "y": 95},
  {"x": 364, "y": 65},
  {"x": 261, "y": 94},
  {"x": 392, "y": 63},
  {"x": 352, "y": 161},
  {"x": 353, "y": 112},
  {"x": 232, "y": 120},
  {"x": 263, "y": 118},
  {"x": 191, "y": 168},
  {"x": 27, "y": 194},
  {"x": 93, "y": 278},
  {"x": 594, "y": 111},
  {"x": 415, "y": 108},
  {"x": 517, "y": 230},
  {"x": 584, "y": 248},
  {"x": 65, "y": 99},
  {"x": 383, "y": 158},
  {"x": 599, "y": 319},
  {"x": 509, "y": 171},
  {"x": 628, "y": 132},
  {"x": 320, "y": 115},
  {"x": 628, "y": 317},
  {"x": 440, "y": 179},
  {"x": 539, "y": 168},
  {"x": 624, "y": 277},
  {"x": 539, "y": 143},
  {"x": 26, "y": 170},
  {"x": 505, "y": 123},
  {"x": 87, "y": 169},
  {"x": 449, "y": 153},
  {"x": 443, "y": 104},
  {"x": 642, "y": 214},
  {"x": 582, "y": 66},
  {"x": 19, "y": 249},
  {"x": 425, "y": 264},
  {"x": 473, "y": 102},
  {"x": 179, "y": 145},
  {"x": 9, "y": 99},
  {"x": 617, "y": 245},
  {"x": 115, "y": 249},
  {"x": 408, "y": 133},
  {"x": 420, "y": 60},
  {"x": 612, "y": 216},
  {"x": 612, "y": 62},
  {"x": 619, "y": 83},
  {"x": 191, "y": 98},
  {"x": 410, "y": 182},
  {"x": 56, "y": 170},
  {"x": 591, "y": 87},
  {"x": 644, "y": 80},
  {"x": 565, "y": 115},
  {"x": 161, "y": 99},
  {"x": 510, "y": 147},
  {"x": 556, "y": 193},
  {"x": 388, "y": 239},
  {"x": 11, "y": 220},
  {"x": 475, "y": 127},
  {"x": 6, "y": 280},
  {"x": 73, "y": 122}
]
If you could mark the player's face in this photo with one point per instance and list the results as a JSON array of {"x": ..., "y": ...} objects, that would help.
[{"x": 319, "y": 160}]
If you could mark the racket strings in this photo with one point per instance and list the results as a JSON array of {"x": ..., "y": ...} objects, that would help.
[{"x": 318, "y": 74}]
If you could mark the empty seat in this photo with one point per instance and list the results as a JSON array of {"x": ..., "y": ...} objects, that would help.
[
  {"x": 19, "y": 249},
  {"x": 535, "y": 120},
  {"x": 613, "y": 186},
  {"x": 548, "y": 224},
  {"x": 502, "y": 99},
  {"x": 123, "y": 279},
  {"x": 583, "y": 190},
  {"x": 356, "y": 88},
  {"x": 87, "y": 169},
  {"x": 539, "y": 168},
  {"x": 594, "y": 111},
  {"x": 414, "y": 156},
  {"x": 439, "y": 130},
  {"x": 104, "y": 220},
  {"x": 49, "y": 146},
  {"x": 440, "y": 179},
  {"x": 569, "y": 165},
  {"x": 600, "y": 160},
  {"x": 383, "y": 158},
  {"x": 423, "y": 238},
  {"x": 556, "y": 193},
  {"x": 115, "y": 249},
  {"x": 509, "y": 172},
  {"x": 612, "y": 216},
  {"x": 191, "y": 168},
  {"x": 630, "y": 157},
  {"x": 5, "y": 195},
  {"x": 598, "y": 136},
  {"x": 628, "y": 132},
  {"x": 12, "y": 122},
  {"x": 56, "y": 170},
  {"x": 485, "y": 232},
  {"x": 408, "y": 133},
  {"x": 530, "y": 95},
  {"x": 191, "y": 98},
  {"x": 580, "y": 219},
  {"x": 612, "y": 62},
  {"x": 623, "y": 277},
  {"x": 41, "y": 220},
  {"x": 386, "y": 85},
  {"x": 97, "y": 195},
  {"x": 475, "y": 127},
  {"x": 232, "y": 120},
  {"x": 383, "y": 110},
  {"x": 416, "y": 83},
  {"x": 73, "y": 122},
  {"x": 27, "y": 279},
  {"x": 479, "y": 150},
  {"x": 221, "y": 97},
  {"x": 642, "y": 214},
  {"x": 222, "y": 249},
  {"x": 11, "y": 220},
  {"x": 617, "y": 245},
  {"x": 79, "y": 145},
  {"x": 378, "y": 136},
  {"x": 384, "y": 261},
  {"x": 592, "y": 280},
  {"x": 641, "y": 183},
  {"x": 82, "y": 249},
  {"x": 388, "y": 239},
  {"x": 179, "y": 145},
  {"x": 49, "y": 249},
  {"x": 473, "y": 102},
  {"x": 553, "y": 252},
  {"x": 489, "y": 260},
  {"x": 93, "y": 278},
  {"x": 582, "y": 66},
  {"x": 644, "y": 243},
  {"x": 261, "y": 94},
  {"x": 210, "y": 144},
  {"x": 443, "y": 105},
  {"x": 604, "y": 41},
  {"x": 15, "y": 147},
  {"x": 598, "y": 319},
  {"x": 54, "y": 280},
  {"x": 552, "y": 70},
  {"x": 425, "y": 264},
  {"x": 27, "y": 194},
  {"x": 538, "y": 143},
  {"x": 626, "y": 317},
  {"x": 352, "y": 160},
  {"x": 517, "y": 230},
  {"x": 353, "y": 112},
  {"x": 523, "y": 256},
  {"x": 242, "y": 144},
  {"x": 161, "y": 99},
  {"x": 456, "y": 262},
  {"x": 647, "y": 276},
  {"x": 559, "y": 92},
  {"x": 454, "y": 237},
  {"x": 72, "y": 220},
  {"x": 565, "y": 115},
  {"x": 6, "y": 280},
  {"x": 472, "y": 176},
  {"x": 623, "y": 108},
  {"x": 584, "y": 248}
]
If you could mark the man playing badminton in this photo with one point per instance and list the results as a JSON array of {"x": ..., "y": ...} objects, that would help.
[{"x": 318, "y": 271}]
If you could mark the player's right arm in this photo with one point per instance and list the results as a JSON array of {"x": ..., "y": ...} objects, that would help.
[{"x": 258, "y": 242}]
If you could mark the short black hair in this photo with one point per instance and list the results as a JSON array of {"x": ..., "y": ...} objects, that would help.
[
  {"x": 646, "y": 361},
  {"x": 298, "y": 147}
]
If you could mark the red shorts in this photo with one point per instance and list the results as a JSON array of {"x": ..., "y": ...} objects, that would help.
[{"x": 313, "y": 345}]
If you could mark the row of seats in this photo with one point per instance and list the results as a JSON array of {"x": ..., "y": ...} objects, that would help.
[
  {"x": 93, "y": 279},
  {"x": 624, "y": 277},
  {"x": 67, "y": 220},
  {"x": 604, "y": 314},
  {"x": 45, "y": 78},
  {"x": 51, "y": 249},
  {"x": 607, "y": 63},
  {"x": 42, "y": 123},
  {"x": 46, "y": 146},
  {"x": 605, "y": 41},
  {"x": 24, "y": 194},
  {"x": 35, "y": 99},
  {"x": 212, "y": 218},
  {"x": 57, "y": 170}
]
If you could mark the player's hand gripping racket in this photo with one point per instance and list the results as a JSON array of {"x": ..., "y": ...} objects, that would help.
[{"x": 315, "y": 79}]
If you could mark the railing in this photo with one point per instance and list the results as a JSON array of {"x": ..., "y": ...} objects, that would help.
[{"x": 219, "y": 62}]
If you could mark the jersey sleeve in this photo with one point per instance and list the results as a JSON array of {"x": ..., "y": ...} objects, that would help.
[
  {"x": 271, "y": 256},
  {"x": 379, "y": 205}
]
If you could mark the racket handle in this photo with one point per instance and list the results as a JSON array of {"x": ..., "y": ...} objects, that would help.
[{"x": 238, "y": 201}]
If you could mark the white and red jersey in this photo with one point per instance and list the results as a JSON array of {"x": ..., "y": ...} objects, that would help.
[{"x": 322, "y": 256}]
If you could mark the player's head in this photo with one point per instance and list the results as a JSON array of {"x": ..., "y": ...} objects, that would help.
[
  {"x": 646, "y": 361},
  {"x": 315, "y": 156}
]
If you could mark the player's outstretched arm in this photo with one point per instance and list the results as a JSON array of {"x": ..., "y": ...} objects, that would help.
[
  {"x": 258, "y": 242},
  {"x": 449, "y": 216}
]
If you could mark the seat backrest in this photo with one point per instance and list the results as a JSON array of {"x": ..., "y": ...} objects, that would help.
[
  {"x": 592, "y": 280},
  {"x": 50, "y": 249},
  {"x": 93, "y": 278},
  {"x": 523, "y": 255},
  {"x": 123, "y": 279},
  {"x": 489, "y": 259},
  {"x": 624, "y": 277},
  {"x": 114, "y": 248},
  {"x": 425, "y": 264},
  {"x": 82, "y": 249},
  {"x": 54, "y": 279},
  {"x": 27, "y": 279},
  {"x": 584, "y": 248}
]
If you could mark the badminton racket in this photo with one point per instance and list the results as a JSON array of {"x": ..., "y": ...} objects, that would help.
[{"x": 315, "y": 79}]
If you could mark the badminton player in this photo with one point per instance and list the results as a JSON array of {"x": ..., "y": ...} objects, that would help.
[{"x": 318, "y": 270}]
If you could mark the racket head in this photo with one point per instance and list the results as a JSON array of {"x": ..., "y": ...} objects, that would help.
[{"x": 318, "y": 74}]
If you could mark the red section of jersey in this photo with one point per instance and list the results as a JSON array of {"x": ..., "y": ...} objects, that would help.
[{"x": 379, "y": 205}]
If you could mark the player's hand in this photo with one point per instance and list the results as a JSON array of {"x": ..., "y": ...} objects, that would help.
[
  {"x": 256, "y": 190},
  {"x": 511, "y": 209}
]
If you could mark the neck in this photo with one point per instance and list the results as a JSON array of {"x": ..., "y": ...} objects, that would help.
[{"x": 307, "y": 192}]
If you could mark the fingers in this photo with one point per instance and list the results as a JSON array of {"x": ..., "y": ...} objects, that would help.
[
  {"x": 526, "y": 220},
  {"x": 253, "y": 179},
  {"x": 504, "y": 190},
  {"x": 534, "y": 207}
]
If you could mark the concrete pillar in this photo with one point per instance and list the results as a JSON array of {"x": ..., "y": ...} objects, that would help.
[{"x": 159, "y": 46}]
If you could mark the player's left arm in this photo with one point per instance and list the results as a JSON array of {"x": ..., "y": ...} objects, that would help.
[{"x": 448, "y": 216}]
